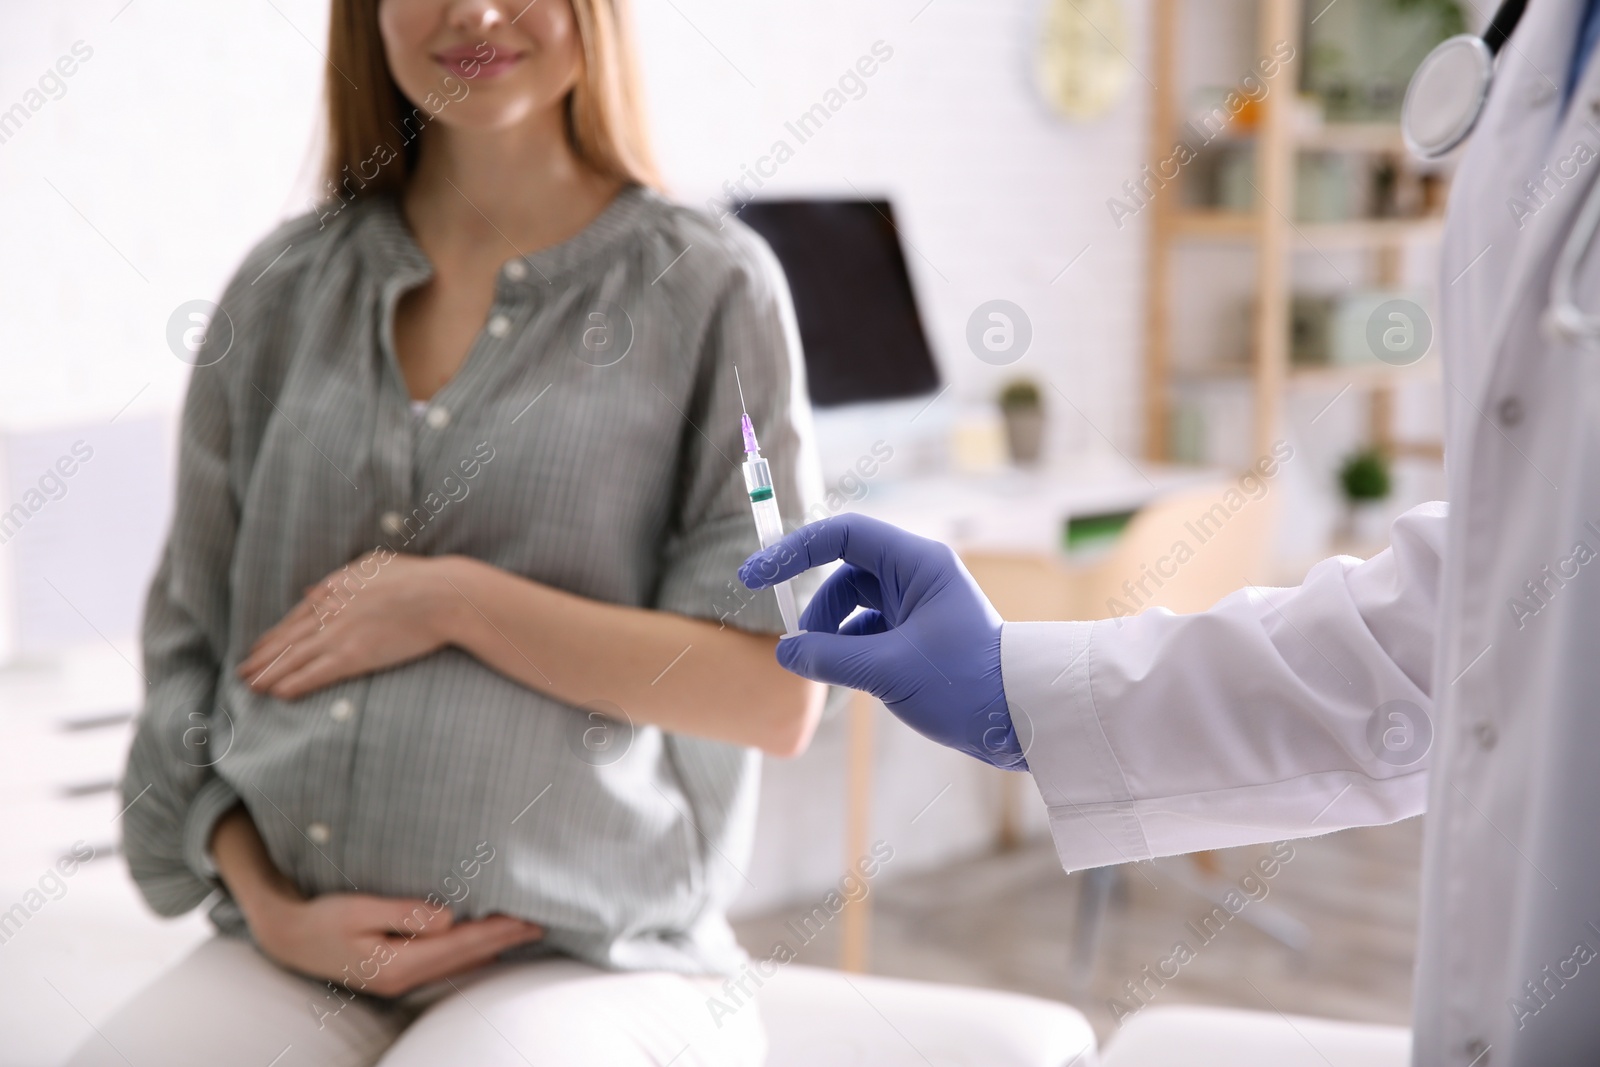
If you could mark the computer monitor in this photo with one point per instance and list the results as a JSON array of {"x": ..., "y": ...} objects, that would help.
[{"x": 853, "y": 298}]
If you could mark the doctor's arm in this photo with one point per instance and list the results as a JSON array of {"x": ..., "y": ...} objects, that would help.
[{"x": 1276, "y": 713}]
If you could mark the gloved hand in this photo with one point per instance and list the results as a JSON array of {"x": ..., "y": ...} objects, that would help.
[{"x": 927, "y": 645}]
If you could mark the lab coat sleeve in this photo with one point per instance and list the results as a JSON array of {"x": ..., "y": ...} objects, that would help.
[{"x": 1277, "y": 713}]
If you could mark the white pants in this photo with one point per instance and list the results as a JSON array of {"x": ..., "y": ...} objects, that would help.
[{"x": 226, "y": 1003}]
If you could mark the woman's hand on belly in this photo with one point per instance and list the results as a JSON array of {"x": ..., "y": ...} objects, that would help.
[
  {"x": 382, "y": 610},
  {"x": 385, "y": 946}
]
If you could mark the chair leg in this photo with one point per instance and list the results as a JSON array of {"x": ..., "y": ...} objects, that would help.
[
  {"x": 1270, "y": 919},
  {"x": 1095, "y": 889},
  {"x": 855, "y": 932}
]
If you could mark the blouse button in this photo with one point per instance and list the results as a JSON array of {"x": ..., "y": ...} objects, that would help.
[
  {"x": 499, "y": 326},
  {"x": 516, "y": 270},
  {"x": 342, "y": 709},
  {"x": 319, "y": 833},
  {"x": 392, "y": 524},
  {"x": 1510, "y": 411},
  {"x": 438, "y": 417}
]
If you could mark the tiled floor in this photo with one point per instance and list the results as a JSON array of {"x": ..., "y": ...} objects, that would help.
[{"x": 1007, "y": 921}]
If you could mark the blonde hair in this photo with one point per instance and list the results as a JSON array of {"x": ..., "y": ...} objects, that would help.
[{"x": 367, "y": 113}]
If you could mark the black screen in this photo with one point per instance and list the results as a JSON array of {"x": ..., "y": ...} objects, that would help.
[{"x": 852, "y": 296}]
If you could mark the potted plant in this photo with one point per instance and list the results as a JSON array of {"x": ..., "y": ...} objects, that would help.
[
  {"x": 1364, "y": 476},
  {"x": 1023, "y": 409}
]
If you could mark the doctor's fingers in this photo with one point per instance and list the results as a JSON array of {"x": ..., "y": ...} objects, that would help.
[
  {"x": 871, "y": 544},
  {"x": 842, "y": 592},
  {"x": 868, "y": 663},
  {"x": 868, "y": 622}
]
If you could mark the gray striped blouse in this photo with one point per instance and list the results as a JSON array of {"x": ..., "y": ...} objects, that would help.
[{"x": 590, "y": 442}]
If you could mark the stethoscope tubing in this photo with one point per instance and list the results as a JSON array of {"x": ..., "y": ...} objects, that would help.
[
  {"x": 1564, "y": 320},
  {"x": 1505, "y": 20}
]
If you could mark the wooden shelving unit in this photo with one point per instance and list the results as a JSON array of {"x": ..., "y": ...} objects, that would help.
[
  {"x": 1277, "y": 241},
  {"x": 1355, "y": 233},
  {"x": 1356, "y": 376}
]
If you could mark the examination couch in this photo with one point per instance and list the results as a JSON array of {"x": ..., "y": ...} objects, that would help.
[{"x": 816, "y": 1016}]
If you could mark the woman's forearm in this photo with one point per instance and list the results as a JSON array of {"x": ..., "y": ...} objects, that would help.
[
  {"x": 680, "y": 674},
  {"x": 245, "y": 867}
]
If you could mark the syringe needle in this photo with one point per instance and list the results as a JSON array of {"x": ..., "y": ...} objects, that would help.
[{"x": 742, "y": 405}]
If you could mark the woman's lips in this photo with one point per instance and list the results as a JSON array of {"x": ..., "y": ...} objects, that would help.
[{"x": 477, "y": 62}]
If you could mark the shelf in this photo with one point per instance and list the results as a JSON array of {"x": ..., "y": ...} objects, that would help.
[
  {"x": 1356, "y": 375},
  {"x": 1433, "y": 450},
  {"x": 1352, "y": 137},
  {"x": 1364, "y": 375},
  {"x": 1215, "y": 225},
  {"x": 1377, "y": 254},
  {"x": 1351, "y": 233},
  {"x": 1374, "y": 137},
  {"x": 1370, "y": 233}
]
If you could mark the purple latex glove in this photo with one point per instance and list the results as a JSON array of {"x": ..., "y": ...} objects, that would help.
[{"x": 927, "y": 643}]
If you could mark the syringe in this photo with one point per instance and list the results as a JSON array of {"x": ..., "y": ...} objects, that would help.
[{"x": 769, "y": 524}]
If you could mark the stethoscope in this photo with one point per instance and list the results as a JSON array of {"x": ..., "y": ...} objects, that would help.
[{"x": 1446, "y": 96}]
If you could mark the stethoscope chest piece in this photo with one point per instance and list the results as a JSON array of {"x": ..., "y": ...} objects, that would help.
[{"x": 1446, "y": 95}]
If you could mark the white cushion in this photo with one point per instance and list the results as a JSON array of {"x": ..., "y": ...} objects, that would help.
[
  {"x": 823, "y": 1018},
  {"x": 1223, "y": 1037}
]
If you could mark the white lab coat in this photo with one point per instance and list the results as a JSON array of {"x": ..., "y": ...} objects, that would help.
[{"x": 1250, "y": 722}]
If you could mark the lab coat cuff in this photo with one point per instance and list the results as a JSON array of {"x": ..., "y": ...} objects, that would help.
[
  {"x": 1047, "y": 669},
  {"x": 213, "y": 800}
]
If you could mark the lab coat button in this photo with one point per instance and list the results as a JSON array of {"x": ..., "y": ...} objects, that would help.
[
  {"x": 1509, "y": 411},
  {"x": 1484, "y": 733},
  {"x": 516, "y": 270},
  {"x": 499, "y": 326},
  {"x": 1594, "y": 107},
  {"x": 438, "y": 417},
  {"x": 319, "y": 833},
  {"x": 392, "y": 524},
  {"x": 342, "y": 709},
  {"x": 1477, "y": 1053}
]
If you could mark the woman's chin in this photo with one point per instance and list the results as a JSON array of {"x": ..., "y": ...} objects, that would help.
[{"x": 478, "y": 115}]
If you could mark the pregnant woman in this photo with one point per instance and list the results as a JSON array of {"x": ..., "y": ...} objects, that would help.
[{"x": 453, "y": 708}]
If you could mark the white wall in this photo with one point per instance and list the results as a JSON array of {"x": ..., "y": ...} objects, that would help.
[
  {"x": 190, "y": 130},
  {"x": 173, "y": 148}
]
